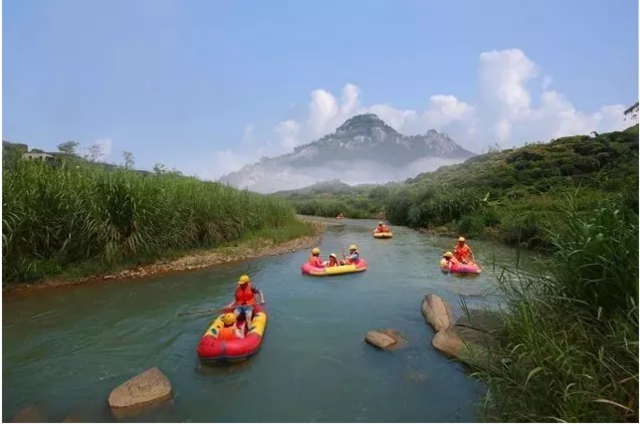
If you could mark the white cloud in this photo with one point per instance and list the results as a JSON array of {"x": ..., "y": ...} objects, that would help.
[
  {"x": 504, "y": 112},
  {"x": 288, "y": 131}
]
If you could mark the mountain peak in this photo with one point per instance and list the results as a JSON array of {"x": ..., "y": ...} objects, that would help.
[{"x": 357, "y": 123}]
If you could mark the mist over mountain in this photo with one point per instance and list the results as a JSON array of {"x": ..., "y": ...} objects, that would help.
[{"x": 362, "y": 150}]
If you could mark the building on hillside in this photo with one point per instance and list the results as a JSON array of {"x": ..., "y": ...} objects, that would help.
[{"x": 40, "y": 156}]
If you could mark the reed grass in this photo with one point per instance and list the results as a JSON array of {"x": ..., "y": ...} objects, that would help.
[
  {"x": 54, "y": 218},
  {"x": 571, "y": 350}
]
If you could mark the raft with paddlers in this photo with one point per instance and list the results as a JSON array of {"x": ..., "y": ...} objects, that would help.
[
  {"x": 451, "y": 263},
  {"x": 382, "y": 231},
  {"x": 351, "y": 264},
  {"x": 471, "y": 268},
  {"x": 212, "y": 348},
  {"x": 356, "y": 267},
  {"x": 237, "y": 333}
]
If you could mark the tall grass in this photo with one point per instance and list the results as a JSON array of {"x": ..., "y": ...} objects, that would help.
[
  {"x": 572, "y": 331},
  {"x": 53, "y": 217}
]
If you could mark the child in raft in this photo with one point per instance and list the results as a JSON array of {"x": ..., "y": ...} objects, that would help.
[
  {"x": 333, "y": 261},
  {"x": 230, "y": 329},
  {"x": 448, "y": 260},
  {"x": 315, "y": 260}
]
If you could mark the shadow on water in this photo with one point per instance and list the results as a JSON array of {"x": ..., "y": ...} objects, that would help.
[{"x": 66, "y": 349}]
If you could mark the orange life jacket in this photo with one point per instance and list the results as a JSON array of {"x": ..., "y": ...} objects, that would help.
[
  {"x": 333, "y": 262},
  {"x": 245, "y": 296},
  {"x": 227, "y": 333},
  {"x": 380, "y": 229},
  {"x": 462, "y": 252},
  {"x": 315, "y": 261}
]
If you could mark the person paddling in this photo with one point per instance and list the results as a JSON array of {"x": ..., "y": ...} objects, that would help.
[
  {"x": 463, "y": 252},
  {"x": 245, "y": 299},
  {"x": 353, "y": 256}
]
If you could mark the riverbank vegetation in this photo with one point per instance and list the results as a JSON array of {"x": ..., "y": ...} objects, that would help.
[
  {"x": 571, "y": 339},
  {"x": 329, "y": 198},
  {"x": 83, "y": 217}
]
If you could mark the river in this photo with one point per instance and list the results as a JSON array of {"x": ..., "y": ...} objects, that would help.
[{"x": 65, "y": 349}]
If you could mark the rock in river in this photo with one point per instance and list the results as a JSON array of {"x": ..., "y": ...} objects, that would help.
[
  {"x": 436, "y": 312},
  {"x": 148, "y": 387},
  {"x": 386, "y": 339},
  {"x": 379, "y": 339}
]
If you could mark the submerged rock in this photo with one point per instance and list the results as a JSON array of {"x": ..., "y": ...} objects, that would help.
[
  {"x": 379, "y": 339},
  {"x": 30, "y": 414},
  {"x": 148, "y": 387},
  {"x": 436, "y": 312}
]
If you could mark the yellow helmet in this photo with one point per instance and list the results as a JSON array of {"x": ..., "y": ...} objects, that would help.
[
  {"x": 333, "y": 255},
  {"x": 229, "y": 319},
  {"x": 380, "y": 223},
  {"x": 244, "y": 279},
  {"x": 448, "y": 254},
  {"x": 353, "y": 247},
  {"x": 315, "y": 251},
  {"x": 461, "y": 239}
]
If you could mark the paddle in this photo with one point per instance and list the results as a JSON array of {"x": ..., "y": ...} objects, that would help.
[{"x": 221, "y": 309}]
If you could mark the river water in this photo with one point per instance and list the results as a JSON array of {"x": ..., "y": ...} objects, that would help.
[{"x": 65, "y": 349}]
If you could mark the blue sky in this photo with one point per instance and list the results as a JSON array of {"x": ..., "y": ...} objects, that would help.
[{"x": 206, "y": 86}]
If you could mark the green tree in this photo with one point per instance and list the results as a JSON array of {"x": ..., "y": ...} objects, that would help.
[
  {"x": 129, "y": 160},
  {"x": 68, "y": 147}
]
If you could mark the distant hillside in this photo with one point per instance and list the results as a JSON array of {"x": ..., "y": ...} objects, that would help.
[
  {"x": 514, "y": 192},
  {"x": 364, "y": 148}
]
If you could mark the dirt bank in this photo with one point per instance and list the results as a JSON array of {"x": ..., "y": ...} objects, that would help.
[{"x": 196, "y": 260}]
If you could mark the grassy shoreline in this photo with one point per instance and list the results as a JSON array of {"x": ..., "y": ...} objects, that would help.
[
  {"x": 267, "y": 242},
  {"x": 77, "y": 220}
]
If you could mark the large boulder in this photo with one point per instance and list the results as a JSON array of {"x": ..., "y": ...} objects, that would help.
[
  {"x": 467, "y": 345},
  {"x": 148, "y": 387},
  {"x": 436, "y": 312}
]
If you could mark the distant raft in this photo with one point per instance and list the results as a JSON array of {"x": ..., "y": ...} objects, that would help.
[
  {"x": 357, "y": 267},
  {"x": 212, "y": 350},
  {"x": 383, "y": 235},
  {"x": 471, "y": 268}
]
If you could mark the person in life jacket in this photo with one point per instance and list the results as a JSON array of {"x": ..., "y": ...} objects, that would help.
[
  {"x": 381, "y": 228},
  {"x": 314, "y": 258},
  {"x": 353, "y": 256},
  {"x": 245, "y": 299},
  {"x": 462, "y": 251},
  {"x": 229, "y": 331},
  {"x": 448, "y": 260},
  {"x": 333, "y": 261}
]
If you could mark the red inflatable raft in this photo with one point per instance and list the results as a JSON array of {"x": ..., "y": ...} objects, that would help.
[
  {"x": 471, "y": 268},
  {"x": 211, "y": 349}
]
